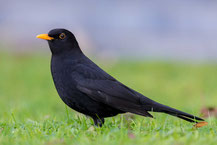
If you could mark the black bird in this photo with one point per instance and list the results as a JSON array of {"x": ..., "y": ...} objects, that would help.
[{"x": 86, "y": 88}]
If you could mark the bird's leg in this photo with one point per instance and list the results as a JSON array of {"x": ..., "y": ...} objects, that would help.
[{"x": 99, "y": 121}]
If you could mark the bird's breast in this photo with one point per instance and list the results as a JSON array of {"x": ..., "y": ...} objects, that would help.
[{"x": 63, "y": 80}]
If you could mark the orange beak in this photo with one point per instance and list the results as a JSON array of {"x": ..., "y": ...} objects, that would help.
[{"x": 44, "y": 36}]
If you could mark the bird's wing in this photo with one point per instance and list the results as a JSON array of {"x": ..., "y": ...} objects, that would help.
[{"x": 102, "y": 88}]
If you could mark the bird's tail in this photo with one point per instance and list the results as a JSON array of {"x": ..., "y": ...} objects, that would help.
[{"x": 157, "y": 107}]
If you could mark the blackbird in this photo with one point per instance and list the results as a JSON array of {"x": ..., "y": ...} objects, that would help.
[{"x": 86, "y": 88}]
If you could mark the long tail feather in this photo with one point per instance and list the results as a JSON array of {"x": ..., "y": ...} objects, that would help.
[{"x": 157, "y": 107}]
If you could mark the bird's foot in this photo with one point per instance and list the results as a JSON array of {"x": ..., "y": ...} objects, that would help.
[{"x": 99, "y": 122}]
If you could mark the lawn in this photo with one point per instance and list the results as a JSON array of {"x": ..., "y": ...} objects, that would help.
[{"x": 32, "y": 113}]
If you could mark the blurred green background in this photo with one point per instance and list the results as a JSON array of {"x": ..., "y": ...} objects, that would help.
[{"x": 27, "y": 89}]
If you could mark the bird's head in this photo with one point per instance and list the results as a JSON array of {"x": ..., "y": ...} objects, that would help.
[{"x": 60, "y": 40}]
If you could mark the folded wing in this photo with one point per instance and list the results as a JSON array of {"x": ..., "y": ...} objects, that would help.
[{"x": 114, "y": 94}]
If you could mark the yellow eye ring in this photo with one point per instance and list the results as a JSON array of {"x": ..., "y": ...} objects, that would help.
[{"x": 62, "y": 36}]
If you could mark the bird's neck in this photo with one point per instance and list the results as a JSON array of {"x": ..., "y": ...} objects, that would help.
[{"x": 72, "y": 55}]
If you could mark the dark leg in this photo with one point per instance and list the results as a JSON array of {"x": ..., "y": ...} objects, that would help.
[{"x": 99, "y": 121}]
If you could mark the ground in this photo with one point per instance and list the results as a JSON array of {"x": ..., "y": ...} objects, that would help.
[{"x": 32, "y": 113}]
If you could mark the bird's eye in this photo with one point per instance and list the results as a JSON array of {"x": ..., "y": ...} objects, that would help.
[{"x": 62, "y": 35}]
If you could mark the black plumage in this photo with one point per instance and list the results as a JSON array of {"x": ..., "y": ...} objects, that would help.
[{"x": 86, "y": 88}]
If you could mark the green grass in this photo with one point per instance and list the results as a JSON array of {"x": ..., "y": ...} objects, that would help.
[{"x": 31, "y": 112}]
